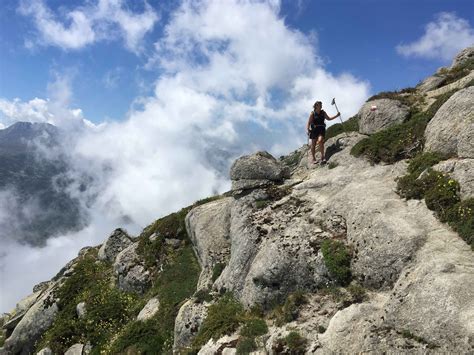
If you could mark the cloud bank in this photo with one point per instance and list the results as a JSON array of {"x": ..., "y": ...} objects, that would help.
[
  {"x": 443, "y": 38},
  {"x": 232, "y": 78},
  {"x": 84, "y": 25}
]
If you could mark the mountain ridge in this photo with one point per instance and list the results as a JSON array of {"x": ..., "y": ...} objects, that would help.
[{"x": 370, "y": 253}]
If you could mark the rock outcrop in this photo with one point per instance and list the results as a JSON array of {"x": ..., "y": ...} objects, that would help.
[
  {"x": 132, "y": 276},
  {"x": 451, "y": 130},
  {"x": 387, "y": 113},
  {"x": 114, "y": 244}
]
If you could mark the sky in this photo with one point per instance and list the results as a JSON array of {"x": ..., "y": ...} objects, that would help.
[{"x": 158, "y": 97}]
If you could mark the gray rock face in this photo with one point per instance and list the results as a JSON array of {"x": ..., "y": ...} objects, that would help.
[
  {"x": 187, "y": 324},
  {"x": 81, "y": 310},
  {"x": 256, "y": 168},
  {"x": 451, "y": 130},
  {"x": 462, "y": 170},
  {"x": 150, "y": 309},
  {"x": 431, "y": 83},
  {"x": 75, "y": 349},
  {"x": 464, "y": 56},
  {"x": 208, "y": 227},
  {"x": 114, "y": 244},
  {"x": 33, "y": 324},
  {"x": 131, "y": 274},
  {"x": 388, "y": 113},
  {"x": 45, "y": 351}
]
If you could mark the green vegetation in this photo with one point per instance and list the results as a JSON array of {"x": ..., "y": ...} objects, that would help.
[
  {"x": 254, "y": 327},
  {"x": 400, "y": 141},
  {"x": 397, "y": 142},
  {"x": 289, "y": 310},
  {"x": 217, "y": 270},
  {"x": 332, "y": 165},
  {"x": 357, "y": 292},
  {"x": 203, "y": 296},
  {"x": 173, "y": 286},
  {"x": 107, "y": 308},
  {"x": 223, "y": 318},
  {"x": 294, "y": 342},
  {"x": 337, "y": 259},
  {"x": 321, "y": 329},
  {"x": 441, "y": 194},
  {"x": 461, "y": 218},
  {"x": 458, "y": 72},
  {"x": 246, "y": 345},
  {"x": 273, "y": 193},
  {"x": 351, "y": 125},
  {"x": 2, "y": 339},
  {"x": 409, "y": 335},
  {"x": 404, "y": 96}
]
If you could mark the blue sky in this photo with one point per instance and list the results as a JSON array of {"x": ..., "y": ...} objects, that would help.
[{"x": 359, "y": 37}]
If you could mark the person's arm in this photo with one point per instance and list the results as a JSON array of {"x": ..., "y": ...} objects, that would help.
[
  {"x": 331, "y": 118},
  {"x": 310, "y": 119}
]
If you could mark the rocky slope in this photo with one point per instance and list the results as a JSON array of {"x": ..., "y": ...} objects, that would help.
[{"x": 370, "y": 253}]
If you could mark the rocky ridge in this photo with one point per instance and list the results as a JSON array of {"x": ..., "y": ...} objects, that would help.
[{"x": 295, "y": 259}]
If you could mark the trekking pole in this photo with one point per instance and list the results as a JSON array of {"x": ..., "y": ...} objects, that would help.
[{"x": 342, "y": 123}]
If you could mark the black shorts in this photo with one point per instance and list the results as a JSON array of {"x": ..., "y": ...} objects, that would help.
[{"x": 317, "y": 131}]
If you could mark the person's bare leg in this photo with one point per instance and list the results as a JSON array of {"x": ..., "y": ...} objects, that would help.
[
  {"x": 313, "y": 150},
  {"x": 321, "y": 146}
]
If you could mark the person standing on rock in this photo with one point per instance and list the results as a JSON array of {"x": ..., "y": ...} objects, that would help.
[{"x": 316, "y": 129}]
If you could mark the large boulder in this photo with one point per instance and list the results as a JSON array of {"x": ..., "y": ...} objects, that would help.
[
  {"x": 451, "y": 130},
  {"x": 151, "y": 308},
  {"x": 132, "y": 276},
  {"x": 187, "y": 324},
  {"x": 75, "y": 349},
  {"x": 208, "y": 227},
  {"x": 115, "y": 243},
  {"x": 34, "y": 323},
  {"x": 387, "y": 113},
  {"x": 256, "y": 170},
  {"x": 431, "y": 83}
]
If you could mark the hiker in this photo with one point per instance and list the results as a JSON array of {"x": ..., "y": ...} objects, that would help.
[{"x": 316, "y": 129}]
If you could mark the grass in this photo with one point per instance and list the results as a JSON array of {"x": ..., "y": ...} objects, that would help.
[
  {"x": 176, "y": 283},
  {"x": 400, "y": 141},
  {"x": 441, "y": 194},
  {"x": 457, "y": 72},
  {"x": 292, "y": 160},
  {"x": 254, "y": 327},
  {"x": 223, "y": 317},
  {"x": 108, "y": 308},
  {"x": 217, "y": 270},
  {"x": 337, "y": 259},
  {"x": 246, "y": 345},
  {"x": 203, "y": 296},
  {"x": 351, "y": 125},
  {"x": 289, "y": 310},
  {"x": 403, "y": 96}
]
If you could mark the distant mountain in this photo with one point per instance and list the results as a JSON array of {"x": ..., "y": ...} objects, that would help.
[{"x": 32, "y": 185}]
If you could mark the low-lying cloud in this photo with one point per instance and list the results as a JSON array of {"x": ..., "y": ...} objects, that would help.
[
  {"x": 225, "y": 86},
  {"x": 443, "y": 38}
]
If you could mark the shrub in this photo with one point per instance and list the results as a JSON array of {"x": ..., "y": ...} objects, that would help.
[
  {"x": 108, "y": 308},
  {"x": 222, "y": 318},
  {"x": 332, "y": 165},
  {"x": 358, "y": 293},
  {"x": 321, "y": 329},
  {"x": 173, "y": 286},
  {"x": 289, "y": 310},
  {"x": 246, "y": 345},
  {"x": 440, "y": 100},
  {"x": 424, "y": 161},
  {"x": 203, "y": 296},
  {"x": 294, "y": 342},
  {"x": 458, "y": 72},
  {"x": 351, "y": 125},
  {"x": 461, "y": 218},
  {"x": 397, "y": 142},
  {"x": 292, "y": 160},
  {"x": 337, "y": 260},
  {"x": 403, "y": 96},
  {"x": 442, "y": 194},
  {"x": 217, "y": 270},
  {"x": 254, "y": 327}
]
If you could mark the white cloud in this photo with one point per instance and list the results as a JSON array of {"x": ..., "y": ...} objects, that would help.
[
  {"x": 443, "y": 38},
  {"x": 234, "y": 79},
  {"x": 88, "y": 24}
]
